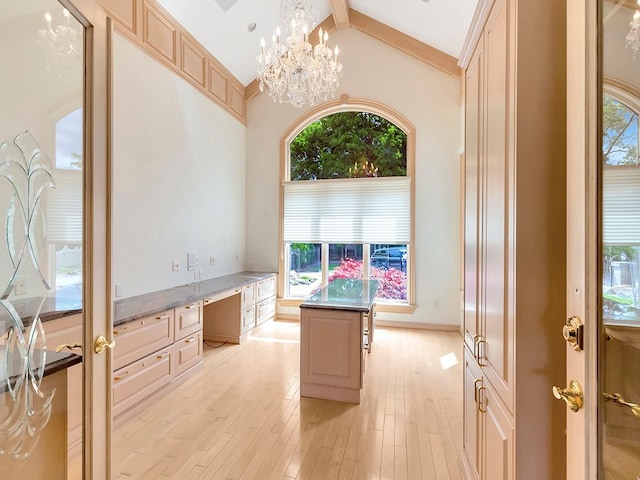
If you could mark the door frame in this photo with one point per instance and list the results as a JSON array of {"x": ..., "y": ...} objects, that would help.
[
  {"x": 583, "y": 90},
  {"x": 97, "y": 420}
]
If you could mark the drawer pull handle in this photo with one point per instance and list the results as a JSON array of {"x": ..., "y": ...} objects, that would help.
[
  {"x": 123, "y": 374},
  {"x": 238, "y": 290},
  {"x": 162, "y": 355},
  {"x": 162, "y": 317},
  {"x": 188, "y": 307},
  {"x": 208, "y": 301},
  {"x": 142, "y": 322},
  {"x": 122, "y": 329},
  {"x": 190, "y": 340}
]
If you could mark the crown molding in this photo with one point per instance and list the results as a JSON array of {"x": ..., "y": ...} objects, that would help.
[{"x": 475, "y": 30}]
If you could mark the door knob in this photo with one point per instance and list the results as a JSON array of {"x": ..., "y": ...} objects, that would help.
[
  {"x": 572, "y": 332},
  {"x": 102, "y": 343},
  {"x": 572, "y": 395},
  {"x": 70, "y": 346}
]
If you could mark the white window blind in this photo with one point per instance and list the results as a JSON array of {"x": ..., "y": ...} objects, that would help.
[
  {"x": 355, "y": 210},
  {"x": 64, "y": 208},
  {"x": 621, "y": 205}
]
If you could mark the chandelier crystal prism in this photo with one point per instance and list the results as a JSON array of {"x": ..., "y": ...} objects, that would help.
[
  {"x": 295, "y": 71},
  {"x": 633, "y": 37},
  {"x": 63, "y": 48}
]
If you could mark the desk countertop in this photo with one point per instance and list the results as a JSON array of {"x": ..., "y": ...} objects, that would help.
[
  {"x": 344, "y": 294},
  {"x": 140, "y": 306}
]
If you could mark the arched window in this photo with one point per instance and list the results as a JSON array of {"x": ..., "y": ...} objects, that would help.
[
  {"x": 348, "y": 204},
  {"x": 64, "y": 206},
  {"x": 621, "y": 204}
]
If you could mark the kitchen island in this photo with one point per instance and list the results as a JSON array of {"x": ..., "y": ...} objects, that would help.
[{"x": 336, "y": 327}]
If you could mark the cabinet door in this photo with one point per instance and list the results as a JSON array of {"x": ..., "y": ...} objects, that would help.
[
  {"x": 473, "y": 151},
  {"x": 265, "y": 310},
  {"x": 141, "y": 337},
  {"x": 496, "y": 350},
  {"x": 188, "y": 320},
  {"x": 266, "y": 288},
  {"x": 248, "y": 296},
  {"x": 472, "y": 428},
  {"x": 248, "y": 319},
  {"x": 497, "y": 439},
  {"x": 188, "y": 352},
  {"x": 138, "y": 380}
]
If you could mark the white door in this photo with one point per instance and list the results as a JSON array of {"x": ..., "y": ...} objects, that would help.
[
  {"x": 582, "y": 231},
  {"x": 53, "y": 238},
  {"x": 603, "y": 249}
]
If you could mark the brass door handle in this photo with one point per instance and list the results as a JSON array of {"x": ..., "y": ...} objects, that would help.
[
  {"x": 572, "y": 395},
  {"x": 70, "y": 346},
  {"x": 102, "y": 343},
  {"x": 617, "y": 398}
]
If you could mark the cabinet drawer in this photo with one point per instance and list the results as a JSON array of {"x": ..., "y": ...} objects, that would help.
[
  {"x": 63, "y": 330},
  {"x": 248, "y": 319},
  {"x": 266, "y": 288},
  {"x": 248, "y": 296},
  {"x": 188, "y": 320},
  {"x": 135, "y": 382},
  {"x": 265, "y": 310},
  {"x": 141, "y": 337},
  {"x": 188, "y": 352}
]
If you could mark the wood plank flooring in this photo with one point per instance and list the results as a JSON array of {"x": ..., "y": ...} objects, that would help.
[{"x": 242, "y": 417}]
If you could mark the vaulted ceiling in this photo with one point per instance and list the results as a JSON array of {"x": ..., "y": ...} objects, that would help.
[{"x": 432, "y": 30}]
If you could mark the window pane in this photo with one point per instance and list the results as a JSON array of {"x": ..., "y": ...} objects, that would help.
[
  {"x": 345, "y": 261},
  {"x": 619, "y": 133},
  {"x": 388, "y": 265},
  {"x": 349, "y": 145},
  {"x": 620, "y": 283},
  {"x": 305, "y": 268}
]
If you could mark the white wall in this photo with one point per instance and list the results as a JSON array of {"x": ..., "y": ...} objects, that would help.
[
  {"x": 430, "y": 100},
  {"x": 178, "y": 178}
]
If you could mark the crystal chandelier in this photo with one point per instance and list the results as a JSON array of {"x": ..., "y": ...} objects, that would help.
[
  {"x": 294, "y": 71},
  {"x": 62, "y": 46},
  {"x": 633, "y": 37}
]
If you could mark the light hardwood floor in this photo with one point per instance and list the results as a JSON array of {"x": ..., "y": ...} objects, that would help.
[{"x": 242, "y": 417}]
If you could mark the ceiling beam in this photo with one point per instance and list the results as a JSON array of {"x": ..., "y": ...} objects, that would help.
[
  {"x": 340, "y": 10},
  {"x": 405, "y": 43},
  {"x": 327, "y": 25}
]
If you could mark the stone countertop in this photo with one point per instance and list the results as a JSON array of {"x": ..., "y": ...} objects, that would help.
[
  {"x": 54, "y": 362},
  {"x": 140, "y": 306},
  {"x": 344, "y": 294}
]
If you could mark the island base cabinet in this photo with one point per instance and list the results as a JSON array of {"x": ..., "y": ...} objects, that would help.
[
  {"x": 331, "y": 352},
  {"x": 138, "y": 380}
]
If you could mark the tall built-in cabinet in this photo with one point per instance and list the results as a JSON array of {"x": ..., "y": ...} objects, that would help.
[{"x": 514, "y": 242}]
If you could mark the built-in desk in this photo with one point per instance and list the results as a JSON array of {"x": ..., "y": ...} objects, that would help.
[{"x": 336, "y": 328}]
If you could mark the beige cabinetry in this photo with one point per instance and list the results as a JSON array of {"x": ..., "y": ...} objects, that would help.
[
  {"x": 151, "y": 352},
  {"x": 514, "y": 245},
  {"x": 67, "y": 331},
  {"x": 232, "y": 317}
]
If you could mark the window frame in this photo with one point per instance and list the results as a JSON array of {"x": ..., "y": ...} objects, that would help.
[{"x": 345, "y": 104}]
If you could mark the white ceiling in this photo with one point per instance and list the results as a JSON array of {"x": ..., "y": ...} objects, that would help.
[{"x": 442, "y": 24}]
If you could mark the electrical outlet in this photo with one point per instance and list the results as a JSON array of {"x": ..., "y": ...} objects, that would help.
[
  {"x": 21, "y": 286},
  {"x": 119, "y": 290},
  {"x": 212, "y": 260},
  {"x": 175, "y": 266}
]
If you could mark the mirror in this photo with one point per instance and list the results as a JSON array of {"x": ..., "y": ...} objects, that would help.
[
  {"x": 619, "y": 356},
  {"x": 41, "y": 187}
]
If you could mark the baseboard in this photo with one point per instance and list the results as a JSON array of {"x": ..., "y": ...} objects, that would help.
[{"x": 419, "y": 326}]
